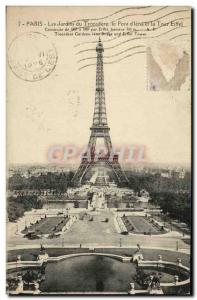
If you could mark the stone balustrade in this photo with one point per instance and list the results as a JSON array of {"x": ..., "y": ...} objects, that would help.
[{"x": 166, "y": 265}]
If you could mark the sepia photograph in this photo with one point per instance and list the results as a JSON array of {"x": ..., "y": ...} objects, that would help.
[{"x": 99, "y": 150}]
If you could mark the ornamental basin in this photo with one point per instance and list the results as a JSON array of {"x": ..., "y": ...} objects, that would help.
[{"x": 99, "y": 274}]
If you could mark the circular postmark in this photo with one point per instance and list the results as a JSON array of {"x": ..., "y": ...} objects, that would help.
[{"x": 32, "y": 56}]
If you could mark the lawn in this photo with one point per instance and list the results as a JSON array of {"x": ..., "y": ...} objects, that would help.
[
  {"x": 139, "y": 224},
  {"x": 47, "y": 225}
]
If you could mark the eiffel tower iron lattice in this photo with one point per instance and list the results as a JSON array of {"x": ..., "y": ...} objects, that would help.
[{"x": 100, "y": 129}]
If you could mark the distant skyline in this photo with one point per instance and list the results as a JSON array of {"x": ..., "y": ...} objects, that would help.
[{"x": 75, "y": 165}]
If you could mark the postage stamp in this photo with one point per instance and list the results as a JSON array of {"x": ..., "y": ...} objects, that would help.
[{"x": 32, "y": 56}]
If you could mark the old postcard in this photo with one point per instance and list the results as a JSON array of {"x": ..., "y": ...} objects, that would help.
[{"x": 99, "y": 150}]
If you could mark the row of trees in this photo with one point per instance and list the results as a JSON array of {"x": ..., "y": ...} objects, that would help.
[
  {"x": 57, "y": 181},
  {"x": 176, "y": 205},
  {"x": 16, "y": 206},
  {"x": 173, "y": 194},
  {"x": 157, "y": 183}
]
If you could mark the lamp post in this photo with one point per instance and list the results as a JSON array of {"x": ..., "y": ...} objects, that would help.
[{"x": 177, "y": 245}]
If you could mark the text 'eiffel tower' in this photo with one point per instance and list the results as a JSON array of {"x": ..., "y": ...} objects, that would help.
[{"x": 100, "y": 129}]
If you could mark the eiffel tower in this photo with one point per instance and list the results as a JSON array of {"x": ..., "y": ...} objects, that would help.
[{"x": 99, "y": 130}]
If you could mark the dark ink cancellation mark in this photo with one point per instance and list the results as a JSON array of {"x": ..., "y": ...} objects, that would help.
[{"x": 32, "y": 56}]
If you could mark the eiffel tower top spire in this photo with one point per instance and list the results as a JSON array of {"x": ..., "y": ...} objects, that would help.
[{"x": 100, "y": 117}]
